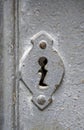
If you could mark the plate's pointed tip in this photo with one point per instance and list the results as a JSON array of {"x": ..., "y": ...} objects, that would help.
[{"x": 41, "y": 101}]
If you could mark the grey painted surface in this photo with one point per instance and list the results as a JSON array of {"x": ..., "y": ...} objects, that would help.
[
  {"x": 1, "y": 65},
  {"x": 64, "y": 21},
  {"x": 9, "y": 64}
]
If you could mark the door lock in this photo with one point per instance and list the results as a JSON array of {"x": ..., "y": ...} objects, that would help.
[{"x": 42, "y": 69}]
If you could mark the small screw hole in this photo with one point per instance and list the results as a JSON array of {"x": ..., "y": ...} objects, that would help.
[{"x": 42, "y": 44}]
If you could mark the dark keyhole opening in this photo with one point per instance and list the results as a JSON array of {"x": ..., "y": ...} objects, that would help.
[{"x": 42, "y": 62}]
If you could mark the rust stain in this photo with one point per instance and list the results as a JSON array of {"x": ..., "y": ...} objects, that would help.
[{"x": 82, "y": 81}]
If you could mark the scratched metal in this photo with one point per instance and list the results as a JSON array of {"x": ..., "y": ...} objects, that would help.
[{"x": 64, "y": 21}]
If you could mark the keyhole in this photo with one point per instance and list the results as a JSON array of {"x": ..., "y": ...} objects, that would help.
[{"x": 42, "y": 62}]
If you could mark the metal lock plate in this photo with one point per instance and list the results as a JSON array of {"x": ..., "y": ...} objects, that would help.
[{"x": 42, "y": 69}]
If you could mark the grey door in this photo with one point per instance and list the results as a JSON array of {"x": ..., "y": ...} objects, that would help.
[{"x": 29, "y": 101}]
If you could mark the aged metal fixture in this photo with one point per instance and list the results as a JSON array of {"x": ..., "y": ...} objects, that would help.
[{"x": 42, "y": 69}]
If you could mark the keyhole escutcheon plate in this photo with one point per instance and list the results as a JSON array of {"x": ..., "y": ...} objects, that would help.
[{"x": 41, "y": 69}]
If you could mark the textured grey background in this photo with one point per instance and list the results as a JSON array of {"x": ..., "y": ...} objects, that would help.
[
  {"x": 64, "y": 21},
  {"x": 1, "y": 64}
]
